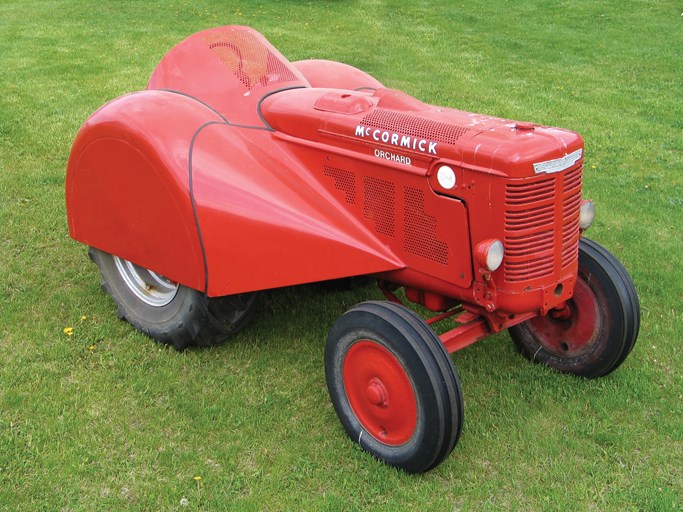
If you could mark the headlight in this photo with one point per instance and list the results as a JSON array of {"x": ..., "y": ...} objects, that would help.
[
  {"x": 587, "y": 215},
  {"x": 446, "y": 177},
  {"x": 490, "y": 254}
]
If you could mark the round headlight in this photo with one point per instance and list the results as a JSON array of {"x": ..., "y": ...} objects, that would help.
[
  {"x": 587, "y": 214},
  {"x": 490, "y": 253},
  {"x": 446, "y": 177}
]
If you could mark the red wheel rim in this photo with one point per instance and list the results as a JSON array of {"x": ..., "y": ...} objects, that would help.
[
  {"x": 380, "y": 392},
  {"x": 575, "y": 333}
]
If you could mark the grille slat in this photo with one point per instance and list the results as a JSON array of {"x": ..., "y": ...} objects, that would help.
[
  {"x": 572, "y": 179},
  {"x": 520, "y": 194},
  {"x": 532, "y": 213}
]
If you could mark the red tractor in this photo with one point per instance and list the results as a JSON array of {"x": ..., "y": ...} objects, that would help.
[{"x": 238, "y": 171}]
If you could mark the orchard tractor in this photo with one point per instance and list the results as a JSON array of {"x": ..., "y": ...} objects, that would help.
[{"x": 237, "y": 171}]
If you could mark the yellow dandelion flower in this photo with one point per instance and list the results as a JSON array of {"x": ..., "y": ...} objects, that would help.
[
  {"x": 69, "y": 331},
  {"x": 91, "y": 348},
  {"x": 83, "y": 317},
  {"x": 197, "y": 478}
]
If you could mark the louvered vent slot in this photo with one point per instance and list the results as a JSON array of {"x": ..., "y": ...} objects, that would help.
[
  {"x": 524, "y": 193},
  {"x": 416, "y": 126},
  {"x": 344, "y": 181},
  {"x": 379, "y": 203},
  {"x": 249, "y": 59},
  {"x": 420, "y": 229},
  {"x": 572, "y": 180}
]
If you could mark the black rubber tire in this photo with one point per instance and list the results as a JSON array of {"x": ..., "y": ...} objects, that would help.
[
  {"x": 191, "y": 318},
  {"x": 615, "y": 306},
  {"x": 427, "y": 366}
]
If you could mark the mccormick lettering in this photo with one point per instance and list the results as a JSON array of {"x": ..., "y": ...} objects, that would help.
[{"x": 396, "y": 139}]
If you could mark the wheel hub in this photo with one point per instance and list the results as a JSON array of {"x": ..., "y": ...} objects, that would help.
[
  {"x": 380, "y": 392},
  {"x": 377, "y": 393},
  {"x": 151, "y": 288},
  {"x": 572, "y": 329}
]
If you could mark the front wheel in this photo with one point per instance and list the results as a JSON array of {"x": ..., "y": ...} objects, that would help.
[
  {"x": 596, "y": 330},
  {"x": 167, "y": 311},
  {"x": 393, "y": 385}
]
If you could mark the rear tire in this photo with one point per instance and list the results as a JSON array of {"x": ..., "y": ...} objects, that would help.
[
  {"x": 169, "y": 312},
  {"x": 601, "y": 324},
  {"x": 394, "y": 386}
]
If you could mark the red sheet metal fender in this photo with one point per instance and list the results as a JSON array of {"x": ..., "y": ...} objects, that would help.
[
  {"x": 127, "y": 183},
  {"x": 163, "y": 179},
  {"x": 267, "y": 222}
]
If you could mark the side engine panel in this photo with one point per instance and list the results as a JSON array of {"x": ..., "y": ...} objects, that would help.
[{"x": 429, "y": 233}]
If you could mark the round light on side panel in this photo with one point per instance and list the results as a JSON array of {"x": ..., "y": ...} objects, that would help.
[
  {"x": 587, "y": 214},
  {"x": 490, "y": 254},
  {"x": 446, "y": 177}
]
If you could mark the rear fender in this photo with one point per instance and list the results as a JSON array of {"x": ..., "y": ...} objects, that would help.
[{"x": 127, "y": 183}]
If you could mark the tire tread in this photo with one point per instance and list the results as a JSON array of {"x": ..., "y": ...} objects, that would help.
[
  {"x": 200, "y": 321},
  {"x": 419, "y": 348},
  {"x": 622, "y": 335}
]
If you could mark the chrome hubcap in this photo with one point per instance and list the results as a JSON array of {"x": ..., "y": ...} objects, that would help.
[{"x": 148, "y": 286}]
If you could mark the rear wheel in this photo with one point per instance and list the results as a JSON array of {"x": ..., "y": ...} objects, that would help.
[
  {"x": 167, "y": 311},
  {"x": 596, "y": 330},
  {"x": 394, "y": 386}
]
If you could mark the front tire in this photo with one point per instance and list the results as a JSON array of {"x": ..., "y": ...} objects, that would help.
[
  {"x": 394, "y": 386},
  {"x": 599, "y": 327},
  {"x": 169, "y": 312}
]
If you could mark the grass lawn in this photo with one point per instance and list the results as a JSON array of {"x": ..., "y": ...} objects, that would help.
[{"x": 105, "y": 419}]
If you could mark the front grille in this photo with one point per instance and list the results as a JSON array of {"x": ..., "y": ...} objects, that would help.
[{"x": 535, "y": 224}]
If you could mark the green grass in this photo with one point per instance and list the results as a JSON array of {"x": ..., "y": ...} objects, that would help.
[{"x": 106, "y": 419}]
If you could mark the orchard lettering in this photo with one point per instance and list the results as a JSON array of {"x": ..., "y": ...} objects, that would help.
[{"x": 401, "y": 159}]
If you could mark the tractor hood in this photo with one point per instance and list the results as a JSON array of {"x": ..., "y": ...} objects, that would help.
[{"x": 394, "y": 126}]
